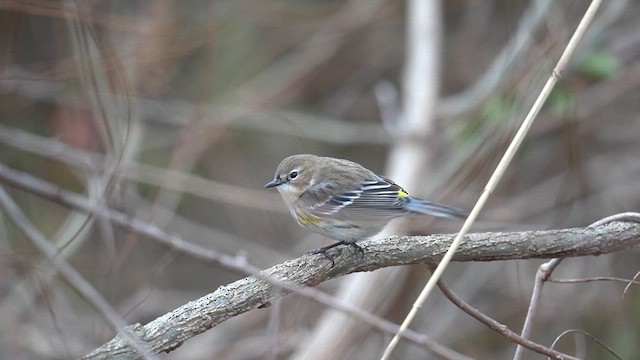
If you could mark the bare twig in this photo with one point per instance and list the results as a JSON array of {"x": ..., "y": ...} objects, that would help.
[
  {"x": 625, "y": 216},
  {"x": 95, "y": 162},
  {"x": 544, "y": 271},
  {"x": 176, "y": 113},
  {"x": 593, "y": 279},
  {"x": 75, "y": 201},
  {"x": 496, "y": 326},
  {"x": 74, "y": 278},
  {"x": 574, "y": 331},
  {"x": 633, "y": 281}
]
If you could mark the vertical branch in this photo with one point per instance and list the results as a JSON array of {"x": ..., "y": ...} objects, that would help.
[
  {"x": 544, "y": 271},
  {"x": 409, "y": 155}
]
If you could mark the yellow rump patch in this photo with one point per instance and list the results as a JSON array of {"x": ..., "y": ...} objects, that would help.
[
  {"x": 403, "y": 194},
  {"x": 308, "y": 220}
]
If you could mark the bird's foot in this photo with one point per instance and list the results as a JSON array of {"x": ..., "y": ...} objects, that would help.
[{"x": 323, "y": 250}]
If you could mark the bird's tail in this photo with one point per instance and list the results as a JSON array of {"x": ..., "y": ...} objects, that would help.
[{"x": 419, "y": 206}]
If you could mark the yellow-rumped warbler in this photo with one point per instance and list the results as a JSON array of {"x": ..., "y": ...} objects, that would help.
[{"x": 343, "y": 200}]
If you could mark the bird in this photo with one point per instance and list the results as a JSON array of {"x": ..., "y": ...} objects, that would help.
[{"x": 345, "y": 201}]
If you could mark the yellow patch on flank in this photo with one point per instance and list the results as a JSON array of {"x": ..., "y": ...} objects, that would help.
[
  {"x": 308, "y": 219},
  {"x": 403, "y": 194}
]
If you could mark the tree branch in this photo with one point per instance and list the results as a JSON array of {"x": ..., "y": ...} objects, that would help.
[
  {"x": 207, "y": 255},
  {"x": 498, "y": 327},
  {"x": 172, "y": 329}
]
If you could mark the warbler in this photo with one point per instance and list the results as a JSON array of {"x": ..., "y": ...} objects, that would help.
[{"x": 343, "y": 200}]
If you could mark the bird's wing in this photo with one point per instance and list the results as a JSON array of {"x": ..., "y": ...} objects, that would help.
[{"x": 375, "y": 199}]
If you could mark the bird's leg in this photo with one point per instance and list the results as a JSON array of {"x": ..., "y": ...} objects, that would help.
[
  {"x": 323, "y": 250},
  {"x": 357, "y": 247}
]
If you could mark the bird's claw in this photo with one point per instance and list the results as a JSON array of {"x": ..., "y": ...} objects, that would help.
[{"x": 323, "y": 250}]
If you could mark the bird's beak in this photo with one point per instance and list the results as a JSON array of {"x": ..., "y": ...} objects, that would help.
[{"x": 272, "y": 183}]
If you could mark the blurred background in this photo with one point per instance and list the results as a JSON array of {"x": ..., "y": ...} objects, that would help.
[{"x": 177, "y": 113}]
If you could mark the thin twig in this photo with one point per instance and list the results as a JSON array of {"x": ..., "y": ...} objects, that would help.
[
  {"x": 625, "y": 216},
  {"x": 633, "y": 281},
  {"x": 544, "y": 271},
  {"x": 594, "y": 279},
  {"x": 95, "y": 162},
  {"x": 500, "y": 170},
  {"x": 81, "y": 285},
  {"x": 176, "y": 113},
  {"x": 571, "y": 331},
  {"x": 498, "y": 327}
]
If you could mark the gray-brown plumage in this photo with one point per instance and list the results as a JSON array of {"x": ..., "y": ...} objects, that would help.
[{"x": 343, "y": 200}]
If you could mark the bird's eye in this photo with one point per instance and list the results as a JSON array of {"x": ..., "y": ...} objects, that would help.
[{"x": 293, "y": 174}]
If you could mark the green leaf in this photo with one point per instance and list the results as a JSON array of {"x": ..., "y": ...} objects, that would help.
[{"x": 599, "y": 64}]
